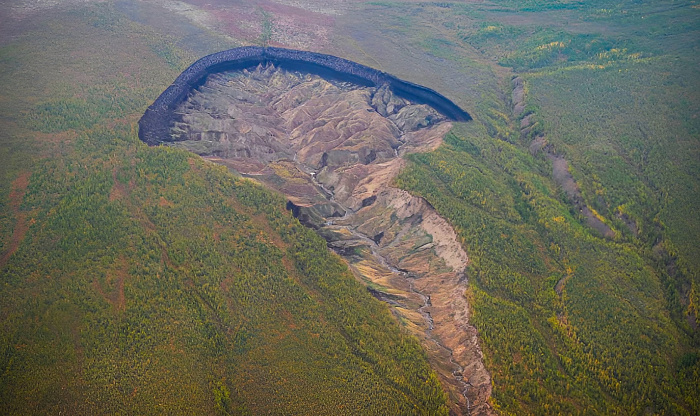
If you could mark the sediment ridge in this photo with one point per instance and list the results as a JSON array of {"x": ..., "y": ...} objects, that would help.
[{"x": 155, "y": 124}]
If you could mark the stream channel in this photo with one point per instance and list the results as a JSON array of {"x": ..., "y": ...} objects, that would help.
[{"x": 457, "y": 371}]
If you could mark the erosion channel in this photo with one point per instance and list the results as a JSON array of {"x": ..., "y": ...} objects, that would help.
[{"x": 333, "y": 147}]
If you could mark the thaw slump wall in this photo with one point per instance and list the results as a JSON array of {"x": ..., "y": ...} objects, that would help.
[{"x": 155, "y": 124}]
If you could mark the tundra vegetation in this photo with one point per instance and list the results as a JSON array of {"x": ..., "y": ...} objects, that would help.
[{"x": 142, "y": 280}]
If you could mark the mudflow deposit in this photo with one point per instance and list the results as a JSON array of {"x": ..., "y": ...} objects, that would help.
[{"x": 333, "y": 147}]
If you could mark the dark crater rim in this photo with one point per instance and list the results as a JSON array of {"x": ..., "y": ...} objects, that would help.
[{"x": 154, "y": 125}]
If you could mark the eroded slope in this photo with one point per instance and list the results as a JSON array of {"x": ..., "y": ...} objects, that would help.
[{"x": 333, "y": 149}]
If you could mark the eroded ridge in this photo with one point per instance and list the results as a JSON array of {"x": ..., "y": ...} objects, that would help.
[
  {"x": 333, "y": 147},
  {"x": 154, "y": 125}
]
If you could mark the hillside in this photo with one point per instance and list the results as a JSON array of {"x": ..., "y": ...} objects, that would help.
[
  {"x": 333, "y": 148},
  {"x": 144, "y": 280},
  {"x": 576, "y": 202}
]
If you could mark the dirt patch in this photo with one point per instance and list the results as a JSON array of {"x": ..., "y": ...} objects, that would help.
[
  {"x": 561, "y": 284},
  {"x": 563, "y": 178},
  {"x": 445, "y": 242},
  {"x": 518, "y": 96},
  {"x": 115, "y": 279},
  {"x": 561, "y": 174},
  {"x": 423, "y": 246},
  {"x": 17, "y": 191},
  {"x": 162, "y": 202},
  {"x": 118, "y": 190},
  {"x": 537, "y": 144}
]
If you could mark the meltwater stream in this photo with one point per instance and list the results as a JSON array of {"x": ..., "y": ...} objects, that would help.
[{"x": 458, "y": 370}]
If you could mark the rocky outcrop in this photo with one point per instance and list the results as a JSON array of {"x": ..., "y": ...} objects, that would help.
[
  {"x": 155, "y": 123},
  {"x": 333, "y": 148}
]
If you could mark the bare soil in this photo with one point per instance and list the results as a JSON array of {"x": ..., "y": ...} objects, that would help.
[
  {"x": 334, "y": 149},
  {"x": 17, "y": 192}
]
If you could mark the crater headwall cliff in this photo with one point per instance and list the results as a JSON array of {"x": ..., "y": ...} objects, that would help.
[{"x": 155, "y": 124}]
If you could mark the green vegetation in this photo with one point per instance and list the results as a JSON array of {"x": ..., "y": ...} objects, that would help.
[
  {"x": 572, "y": 323},
  {"x": 146, "y": 280},
  {"x": 151, "y": 280},
  {"x": 607, "y": 344},
  {"x": 267, "y": 26}
]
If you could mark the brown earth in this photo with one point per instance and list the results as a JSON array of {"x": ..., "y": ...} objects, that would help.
[
  {"x": 17, "y": 191},
  {"x": 333, "y": 149},
  {"x": 114, "y": 280}
]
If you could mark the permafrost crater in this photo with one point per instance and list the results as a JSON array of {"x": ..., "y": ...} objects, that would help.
[{"x": 330, "y": 134}]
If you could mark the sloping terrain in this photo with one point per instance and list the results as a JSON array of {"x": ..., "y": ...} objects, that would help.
[
  {"x": 583, "y": 286},
  {"x": 333, "y": 148},
  {"x": 183, "y": 289},
  {"x": 145, "y": 280},
  {"x": 569, "y": 320}
]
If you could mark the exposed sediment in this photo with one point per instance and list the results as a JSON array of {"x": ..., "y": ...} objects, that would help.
[
  {"x": 333, "y": 147},
  {"x": 560, "y": 166},
  {"x": 154, "y": 125}
]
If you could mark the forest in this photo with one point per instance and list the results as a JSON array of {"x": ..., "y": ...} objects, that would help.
[
  {"x": 572, "y": 322},
  {"x": 137, "y": 280},
  {"x": 146, "y": 280}
]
